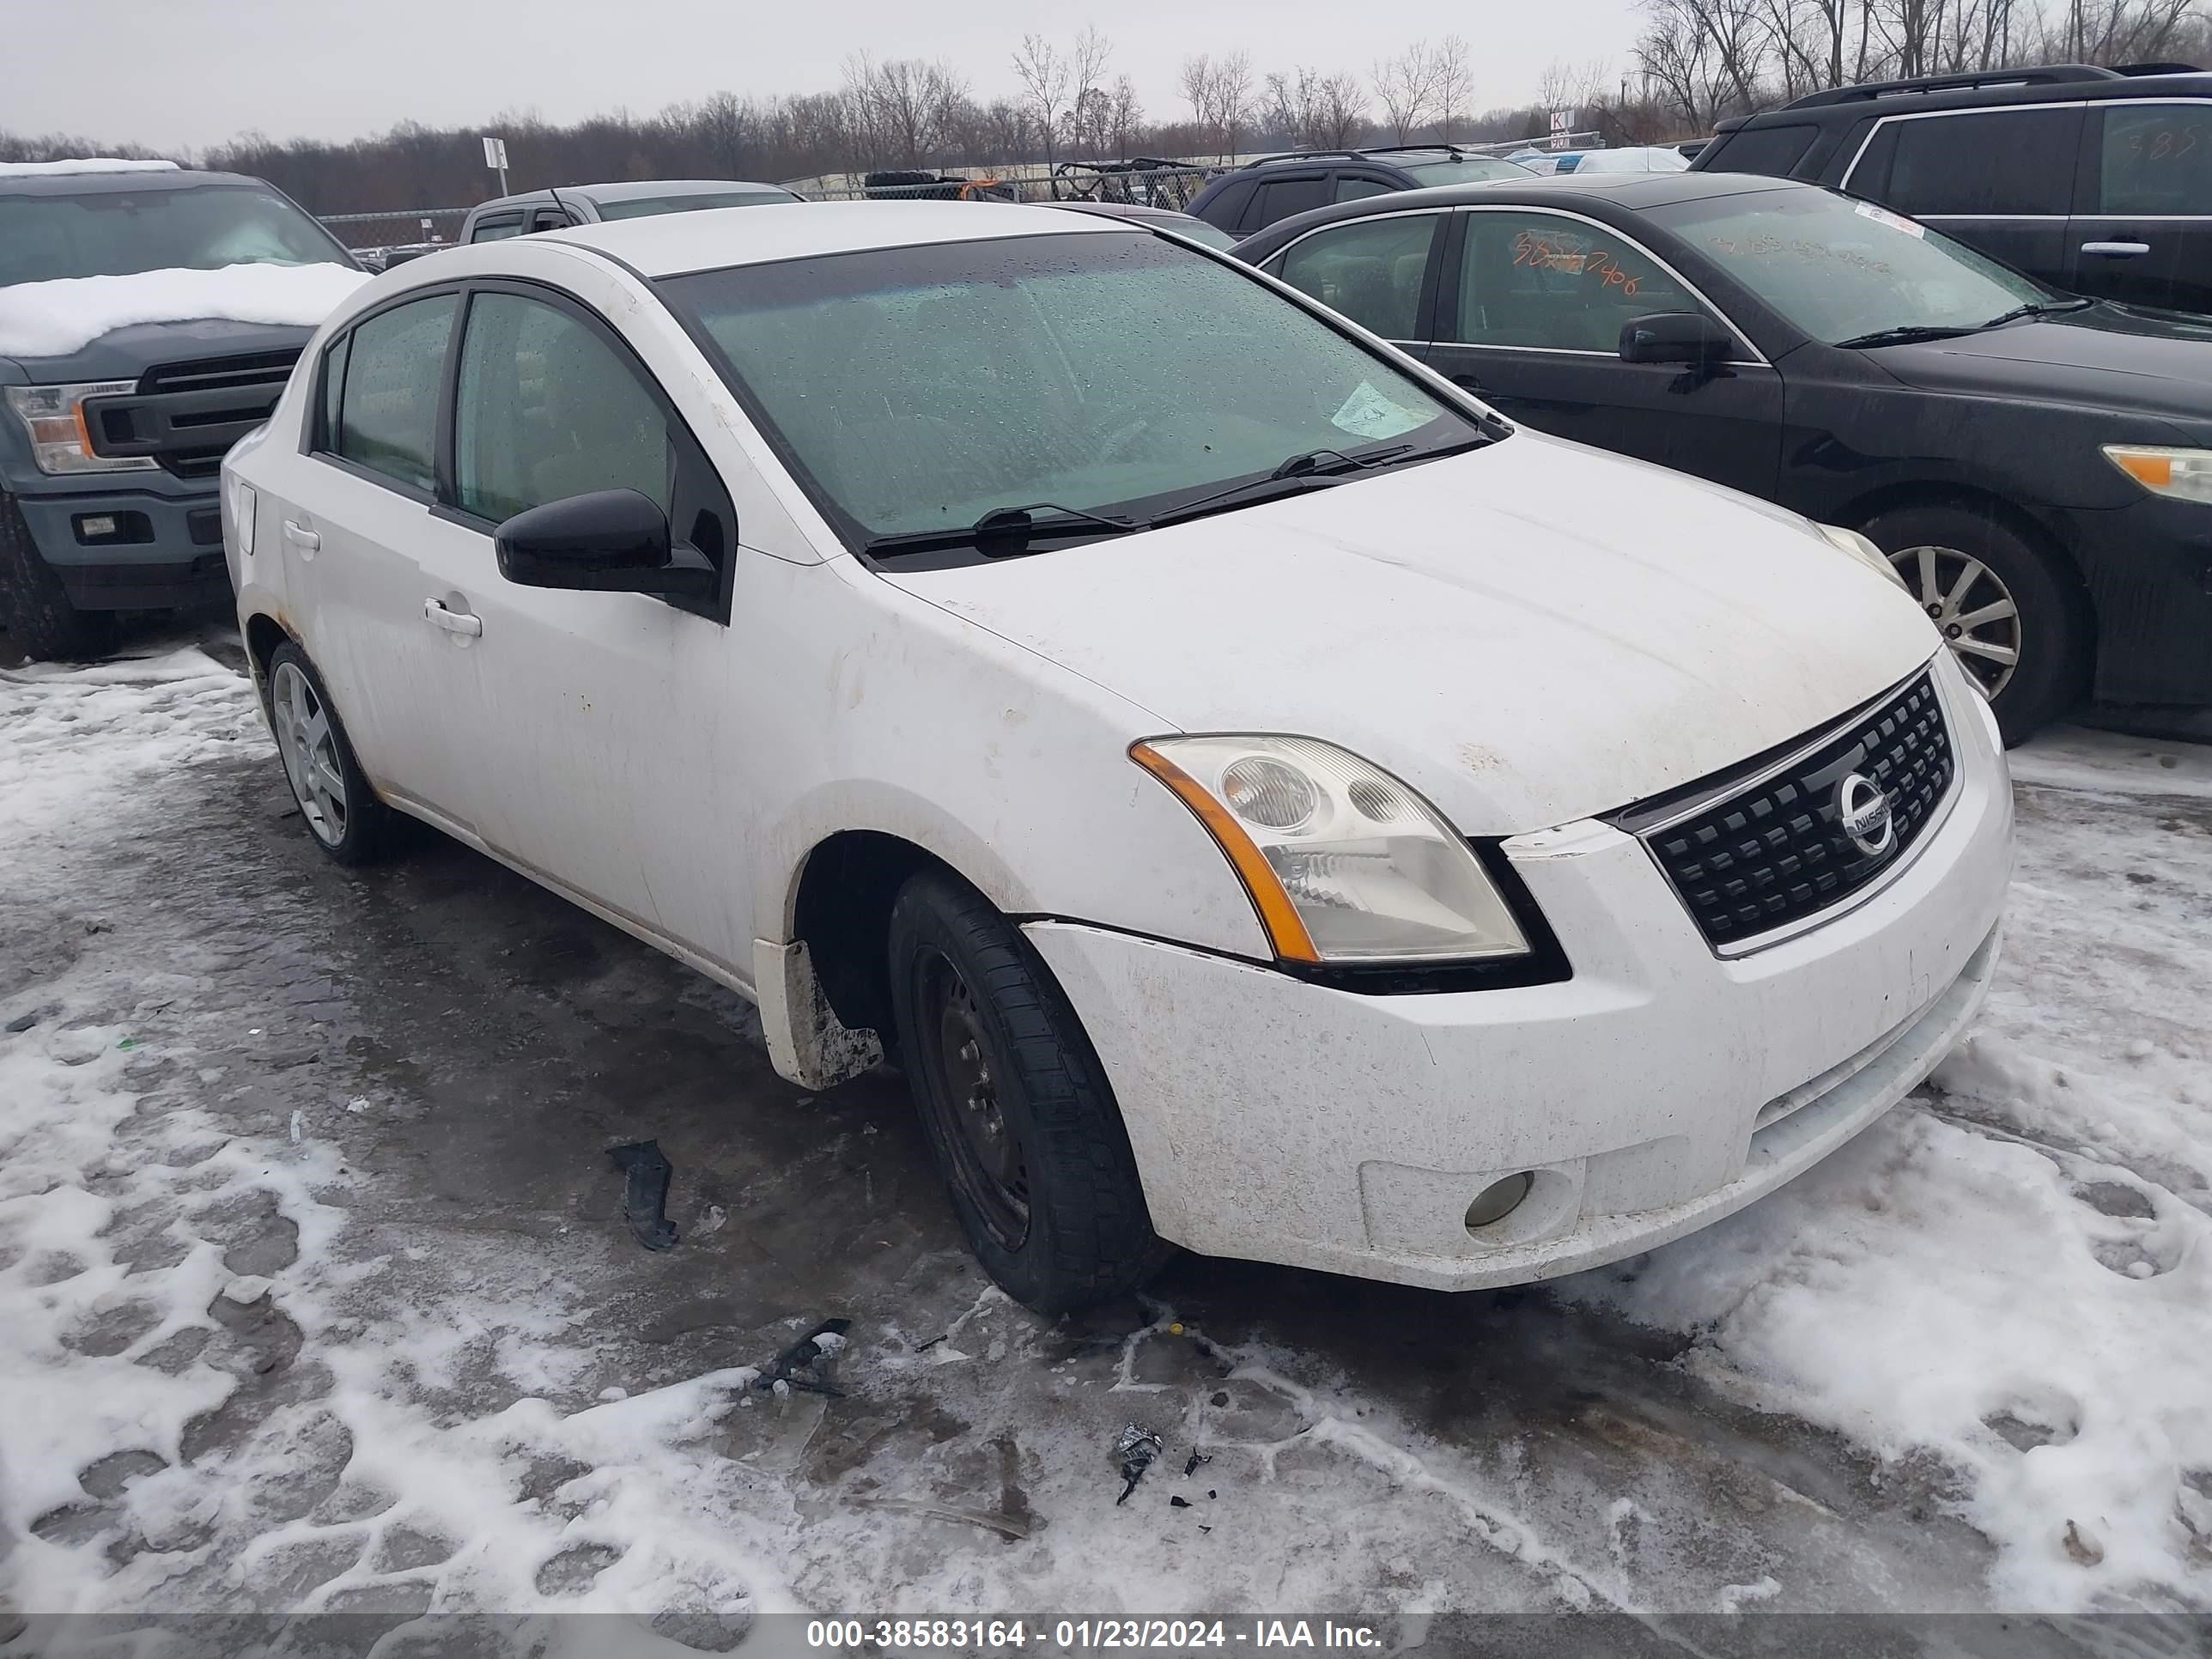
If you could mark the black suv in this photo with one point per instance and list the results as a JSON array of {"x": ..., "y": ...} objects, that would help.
[
  {"x": 1274, "y": 187},
  {"x": 2098, "y": 180}
]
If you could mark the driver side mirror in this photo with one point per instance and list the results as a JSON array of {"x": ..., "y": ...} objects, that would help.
[
  {"x": 610, "y": 541},
  {"x": 1674, "y": 337}
]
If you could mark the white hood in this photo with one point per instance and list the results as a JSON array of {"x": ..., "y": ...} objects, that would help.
[{"x": 1529, "y": 635}]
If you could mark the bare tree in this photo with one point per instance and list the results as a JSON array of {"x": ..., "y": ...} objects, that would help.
[
  {"x": 1125, "y": 115},
  {"x": 1455, "y": 83},
  {"x": 1044, "y": 75},
  {"x": 1233, "y": 98},
  {"x": 1407, "y": 84}
]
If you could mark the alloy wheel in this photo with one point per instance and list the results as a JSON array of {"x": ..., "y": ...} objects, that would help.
[
  {"x": 309, "y": 747},
  {"x": 989, "y": 1164},
  {"x": 1972, "y": 609}
]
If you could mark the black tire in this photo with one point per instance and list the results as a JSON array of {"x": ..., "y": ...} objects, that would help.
[
  {"x": 34, "y": 607},
  {"x": 364, "y": 830},
  {"x": 2051, "y": 637},
  {"x": 1084, "y": 1233}
]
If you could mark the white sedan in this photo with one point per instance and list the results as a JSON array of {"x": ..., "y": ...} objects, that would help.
[{"x": 1264, "y": 803}]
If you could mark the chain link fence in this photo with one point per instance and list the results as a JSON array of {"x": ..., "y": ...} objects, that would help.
[{"x": 408, "y": 228}]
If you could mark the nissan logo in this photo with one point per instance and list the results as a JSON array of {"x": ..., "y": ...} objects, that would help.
[{"x": 1864, "y": 813}]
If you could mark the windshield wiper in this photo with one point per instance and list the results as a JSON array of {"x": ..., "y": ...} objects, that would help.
[
  {"x": 2037, "y": 308},
  {"x": 1004, "y": 529},
  {"x": 1313, "y": 469},
  {"x": 1905, "y": 333}
]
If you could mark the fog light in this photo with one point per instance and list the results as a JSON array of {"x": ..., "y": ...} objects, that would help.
[
  {"x": 96, "y": 524},
  {"x": 1498, "y": 1200}
]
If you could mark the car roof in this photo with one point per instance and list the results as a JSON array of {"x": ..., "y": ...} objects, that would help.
[
  {"x": 117, "y": 184},
  {"x": 1633, "y": 191},
  {"x": 667, "y": 244},
  {"x": 629, "y": 190},
  {"x": 1895, "y": 97}
]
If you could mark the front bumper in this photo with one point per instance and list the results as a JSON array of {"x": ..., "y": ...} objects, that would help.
[
  {"x": 1657, "y": 1090},
  {"x": 2149, "y": 567},
  {"x": 174, "y": 556}
]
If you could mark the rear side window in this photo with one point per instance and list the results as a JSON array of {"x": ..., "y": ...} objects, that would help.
[
  {"x": 547, "y": 409},
  {"x": 388, "y": 410},
  {"x": 1770, "y": 150},
  {"x": 1370, "y": 270},
  {"x": 2157, "y": 160},
  {"x": 498, "y": 230},
  {"x": 1280, "y": 198},
  {"x": 1992, "y": 163}
]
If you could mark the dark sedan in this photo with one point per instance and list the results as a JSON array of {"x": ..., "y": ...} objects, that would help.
[{"x": 2038, "y": 467}]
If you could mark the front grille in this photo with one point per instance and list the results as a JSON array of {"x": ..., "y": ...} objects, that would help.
[
  {"x": 263, "y": 369},
  {"x": 199, "y": 405},
  {"x": 1773, "y": 851}
]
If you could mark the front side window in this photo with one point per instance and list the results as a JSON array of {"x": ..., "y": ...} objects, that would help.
[
  {"x": 1840, "y": 269},
  {"x": 2157, "y": 160},
  {"x": 1280, "y": 198},
  {"x": 918, "y": 389},
  {"x": 498, "y": 230},
  {"x": 388, "y": 411},
  {"x": 547, "y": 409},
  {"x": 1464, "y": 170},
  {"x": 1993, "y": 163},
  {"x": 1370, "y": 270},
  {"x": 1544, "y": 283},
  {"x": 122, "y": 233},
  {"x": 1350, "y": 188}
]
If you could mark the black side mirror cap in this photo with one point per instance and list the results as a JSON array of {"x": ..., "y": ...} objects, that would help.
[
  {"x": 1674, "y": 337},
  {"x": 609, "y": 541}
]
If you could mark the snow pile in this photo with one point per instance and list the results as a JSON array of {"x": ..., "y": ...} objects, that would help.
[
  {"x": 53, "y": 318},
  {"x": 81, "y": 164},
  {"x": 2015, "y": 1273}
]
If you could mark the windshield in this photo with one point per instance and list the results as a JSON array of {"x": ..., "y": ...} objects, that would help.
[
  {"x": 1634, "y": 160},
  {"x": 122, "y": 233},
  {"x": 1840, "y": 269},
  {"x": 641, "y": 207},
  {"x": 1466, "y": 170},
  {"x": 918, "y": 389}
]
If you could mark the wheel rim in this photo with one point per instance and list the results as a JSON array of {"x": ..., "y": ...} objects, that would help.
[
  {"x": 310, "y": 751},
  {"x": 1971, "y": 607},
  {"x": 990, "y": 1166}
]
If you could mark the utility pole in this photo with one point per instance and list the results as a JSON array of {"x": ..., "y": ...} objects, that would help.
[{"x": 495, "y": 159}]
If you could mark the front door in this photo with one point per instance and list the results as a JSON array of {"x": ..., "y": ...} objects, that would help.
[
  {"x": 1529, "y": 313},
  {"x": 2146, "y": 234}
]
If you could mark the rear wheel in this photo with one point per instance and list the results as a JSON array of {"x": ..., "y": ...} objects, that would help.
[
  {"x": 341, "y": 811},
  {"x": 2010, "y": 613},
  {"x": 34, "y": 607},
  {"x": 1019, "y": 1115}
]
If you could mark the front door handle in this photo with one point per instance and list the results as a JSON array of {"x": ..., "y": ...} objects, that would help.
[
  {"x": 2116, "y": 250},
  {"x": 453, "y": 622},
  {"x": 300, "y": 536}
]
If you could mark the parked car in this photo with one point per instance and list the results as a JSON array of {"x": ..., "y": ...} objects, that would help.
[
  {"x": 2038, "y": 468},
  {"x": 1159, "y": 218},
  {"x": 534, "y": 211},
  {"x": 1632, "y": 158},
  {"x": 1274, "y": 187},
  {"x": 120, "y": 397},
  {"x": 1267, "y": 803},
  {"x": 2095, "y": 181}
]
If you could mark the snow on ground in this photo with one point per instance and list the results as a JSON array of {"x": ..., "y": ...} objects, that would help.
[
  {"x": 265, "y": 1346},
  {"x": 53, "y": 318}
]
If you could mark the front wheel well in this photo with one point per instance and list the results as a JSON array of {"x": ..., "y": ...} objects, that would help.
[
  {"x": 1864, "y": 511},
  {"x": 843, "y": 913}
]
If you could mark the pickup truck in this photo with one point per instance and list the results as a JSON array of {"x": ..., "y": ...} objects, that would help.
[{"x": 148, "y": 317}]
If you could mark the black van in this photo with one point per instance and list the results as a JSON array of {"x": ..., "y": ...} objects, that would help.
[{"x": 2098, "y": 180}]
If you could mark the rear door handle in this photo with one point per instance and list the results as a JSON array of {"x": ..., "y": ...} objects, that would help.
[
  {"x": 453, "y": 622},
  {"x": 300, "y": 536},
  {"x": 2116, "y": 250}
]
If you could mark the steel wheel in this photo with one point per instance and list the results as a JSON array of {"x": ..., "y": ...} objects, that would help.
[
  {"x": 1971, "y": 607},
  {"x": 309, "y": 748},
  {"x": 989, "y": 1164}
]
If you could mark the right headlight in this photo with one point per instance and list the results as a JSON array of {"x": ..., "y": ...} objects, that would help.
[
  {"x": 54, "y": 417},
  {"x": 1345, "y": 864},
  {"x": 2184, "y": 474}
]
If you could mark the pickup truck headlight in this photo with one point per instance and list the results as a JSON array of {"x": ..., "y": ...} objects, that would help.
[
  {"x": 1345, "y": 864},
  {"x": 54, "y": 417},
  {"x": 1859, "y": 547},
  {"x": 2184, "y": 474}
]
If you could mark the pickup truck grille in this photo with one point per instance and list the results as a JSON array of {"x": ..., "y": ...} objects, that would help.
[
  {"x": 187, "y": 414},
  {"x": 1763, "y": 845}
]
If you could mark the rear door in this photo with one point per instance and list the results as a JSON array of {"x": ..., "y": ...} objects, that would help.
[
  {"x": 1529, "y": 310},
  {"x": 2001, "y": 180},
  {"x": 2145, "y": 233}
]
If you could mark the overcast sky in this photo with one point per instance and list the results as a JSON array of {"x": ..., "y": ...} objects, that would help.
[{"x": 195, "y": 72}]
